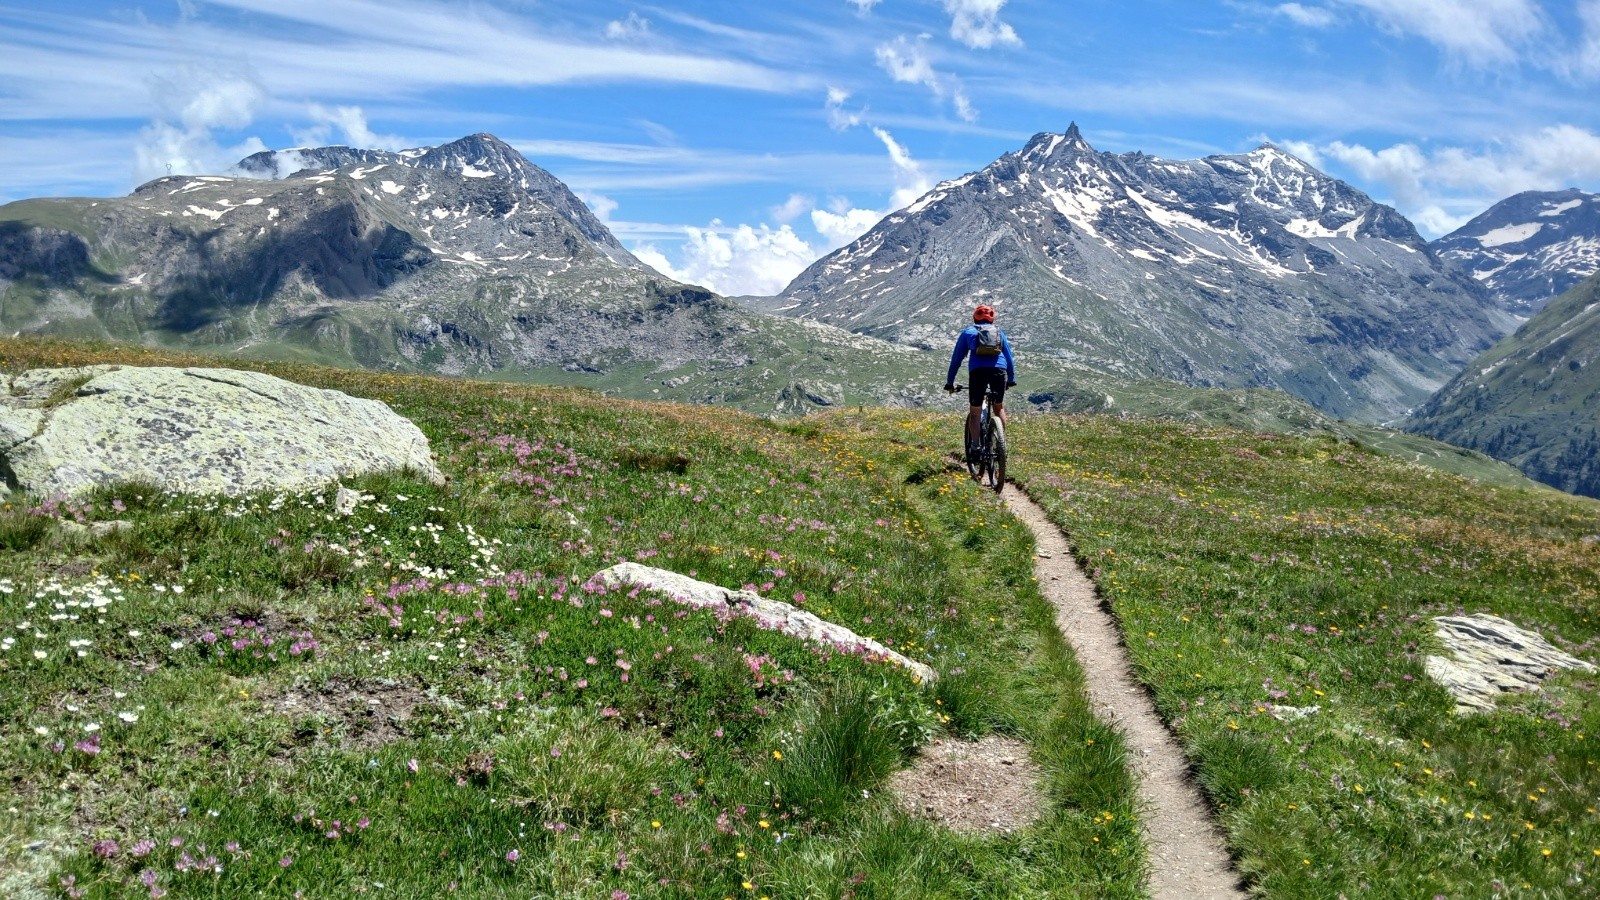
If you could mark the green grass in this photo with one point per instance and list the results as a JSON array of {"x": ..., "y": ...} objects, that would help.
[
  {"x": 1257, "y": 577},
  {"x": 254, "y": 695}
]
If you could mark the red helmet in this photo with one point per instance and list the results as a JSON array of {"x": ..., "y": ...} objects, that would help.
[{"x": 983, "y": 314}]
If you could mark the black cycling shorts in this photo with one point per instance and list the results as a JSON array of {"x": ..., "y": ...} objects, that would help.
[{"x": 994, "y": 378}]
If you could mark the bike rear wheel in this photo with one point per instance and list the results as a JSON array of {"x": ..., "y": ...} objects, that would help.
[{"x": 997, "y": 457}]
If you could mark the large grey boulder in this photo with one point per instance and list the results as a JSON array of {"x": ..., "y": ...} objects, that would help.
[
  {"x": 1489, "y": 657},
  {"x": 772, "y": 614},
  {"x": 64, "y": 431}
]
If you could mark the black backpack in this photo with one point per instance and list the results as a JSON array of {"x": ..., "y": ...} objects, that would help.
[{"x": 990, "y": 342}]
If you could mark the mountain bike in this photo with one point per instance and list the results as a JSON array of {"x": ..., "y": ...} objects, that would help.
[{"x": 986, "y": 459}]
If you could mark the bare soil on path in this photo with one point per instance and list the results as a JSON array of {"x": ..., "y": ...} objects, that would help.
[{"x": 1188, "y": 859}]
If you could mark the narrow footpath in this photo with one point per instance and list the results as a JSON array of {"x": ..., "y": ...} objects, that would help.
[{"x": 1188, "y": 860}]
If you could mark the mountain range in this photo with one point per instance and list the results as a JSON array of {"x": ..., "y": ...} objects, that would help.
[
  {"x": 1129, "y": 283},
  {"x": 1250, "y": 270},
  {"x": 461, "y": 259}
]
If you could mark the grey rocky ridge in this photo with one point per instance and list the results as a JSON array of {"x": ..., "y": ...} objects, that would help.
[
  {"x": 1530, "y": 247},
  {"x": 460, "y": 259},
  {"x": 1245, "y": 270},
  {"x": 66, "y": 431}
]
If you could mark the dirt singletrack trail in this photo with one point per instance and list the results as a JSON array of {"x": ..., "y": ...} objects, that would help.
[{"x": 1188, "y": 860}]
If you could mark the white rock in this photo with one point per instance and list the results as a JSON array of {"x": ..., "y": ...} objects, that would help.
[
  {"x": 1489, "y": 657},
  {"x": 773, "y": 614},
  {"x": 64, "y": 431}
]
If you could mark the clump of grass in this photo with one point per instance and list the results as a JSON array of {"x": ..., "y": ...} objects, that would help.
[
  {"x": 840, "y": 749},
  {"x": 22, "y": 528},
  {"x": 648, "y": 460}
]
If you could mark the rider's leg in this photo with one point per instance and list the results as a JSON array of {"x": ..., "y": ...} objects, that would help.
[
  {"x": 973, "y": 415},
  {"x": 1000, "y": 413}
]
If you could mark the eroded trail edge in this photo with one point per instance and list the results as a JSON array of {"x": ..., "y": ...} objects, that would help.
[{"x": 1187, "y": 856}]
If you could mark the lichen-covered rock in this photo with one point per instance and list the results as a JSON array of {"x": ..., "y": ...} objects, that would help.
[
  {"x": 773, "y": 614},
  {"x": 64, "y": 431},
  {"x": 1489, "y": 657}
]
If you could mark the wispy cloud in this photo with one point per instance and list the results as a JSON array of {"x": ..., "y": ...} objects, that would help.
[
  {"x": 1586, "y": 61},
  {"x": 633, "y": 28},
  {"x": 1325, "y": 104},
  {"x": 392, "y": 49},
  {"x": 1482, "y": 32},
  {"x": 840, "y": 119},
  {"x": 906, "y": 60},
  {"x": 1309, "y": 16},
  {"x": 977, "y": 24}
]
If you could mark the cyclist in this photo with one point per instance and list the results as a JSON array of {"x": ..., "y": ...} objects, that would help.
[{"x": 983, "y": 346}]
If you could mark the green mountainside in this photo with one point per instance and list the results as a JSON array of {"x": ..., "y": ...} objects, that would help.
[{"x": 1534, "y": 398}]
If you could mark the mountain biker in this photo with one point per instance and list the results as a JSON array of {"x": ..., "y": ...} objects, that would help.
[{"x": 984, "y": 348}]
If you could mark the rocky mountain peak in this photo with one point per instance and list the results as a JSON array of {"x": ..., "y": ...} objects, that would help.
[
  {"x": 1047, "y": 148},
  {"x": 1529, "y": 247},
  {"x": 474, "y": 157}
]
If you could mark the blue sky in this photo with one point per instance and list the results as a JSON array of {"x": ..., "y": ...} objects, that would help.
[{"x": 732, "y": 143}]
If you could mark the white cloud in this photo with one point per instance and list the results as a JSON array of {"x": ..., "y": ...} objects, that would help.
[
  {"x": 599, "y": 204},
  {"x": 1442, "y": 188},
  {"x": 1480, "y": 32},
  {"x": 349, "y": 121},
  {"x": 840, "y": 228},
  {"x": 977, "y": 24},
  {"x": 193, "y": 103},
  {"x": 762, "y": 260},
  {"x": 632, "y": 28},
  {"x": 863, "y": 6},
  {"x": 793, "y": 208},
  {"x": 758, "y": 260},
  {"x": 907, "y": 62},
  {"x": 1309, "y": 16},
  {"x": 838, "y": 118}
]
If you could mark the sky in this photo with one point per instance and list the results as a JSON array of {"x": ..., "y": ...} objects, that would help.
[{"x": 731, "y": 144}]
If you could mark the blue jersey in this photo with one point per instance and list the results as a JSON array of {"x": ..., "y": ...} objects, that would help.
[{"x": 966, "y": 343}]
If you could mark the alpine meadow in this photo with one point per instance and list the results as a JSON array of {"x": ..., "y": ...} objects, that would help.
[{"x": 554, "y": 451}]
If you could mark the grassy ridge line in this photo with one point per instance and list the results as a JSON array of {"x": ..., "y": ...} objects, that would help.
[
  {"x": 258, "y": 696},
  {"x": 1277, "y": 596}
]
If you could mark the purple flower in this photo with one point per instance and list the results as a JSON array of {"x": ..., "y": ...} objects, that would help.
[
  {"x": 142, "y": 848},
  {"x": 105, "y": 849},
  {"x": 286, "y": 862},
  {"x": 513, "y": 856}
]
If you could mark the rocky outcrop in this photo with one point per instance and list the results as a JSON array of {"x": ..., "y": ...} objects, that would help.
[
  {"x": 64, "y": 431},
  {"x": 1489, "y": 657},
  {"x": 772, "y": 614}
]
